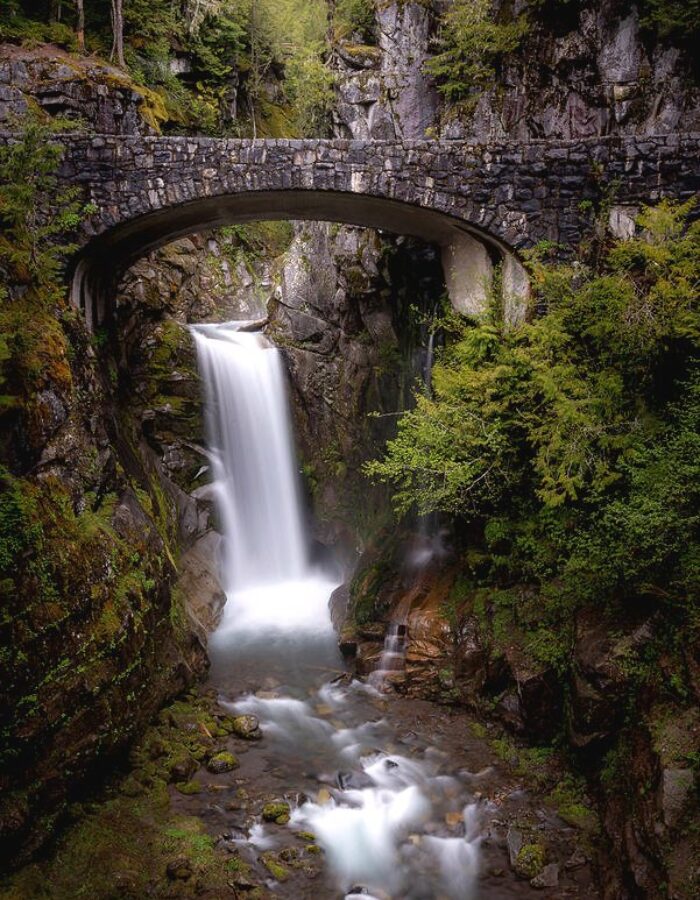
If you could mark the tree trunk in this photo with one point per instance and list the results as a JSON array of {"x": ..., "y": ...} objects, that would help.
[
  {"x": 80, "y": 25},
  {"x": 117, "y": 54}
]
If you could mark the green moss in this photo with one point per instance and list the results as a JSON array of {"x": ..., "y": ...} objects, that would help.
[
  {"x": 189, "y": 787},
  {"x": 127, "y": 839},
  {"x": 530, "y": 860},
  {"x": 222, "y": 762},
  {"x": 277, "y": 811},
  {"x": 274, "y": 867},
  {"x": 478, "y": 730},
  {"x": 572, "y": 805},
  {"x": 365, "y": 589},
  {"x": 308, "y": 836}
]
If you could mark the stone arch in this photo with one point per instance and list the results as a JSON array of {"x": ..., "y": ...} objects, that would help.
[{"x": 469, "y": 254}]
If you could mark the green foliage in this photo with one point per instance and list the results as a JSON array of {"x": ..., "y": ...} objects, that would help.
[
  {"x": 36, "y": 219},
  {"x": 16, "y": 28},
  {"x": 354, "y": 19},
  {"x": 257, "y": 240},
  {"x": 469, "y": 44},
  {"x": 310, "y": 89},
  {"x": 575, "y": 439},
  {"x": 35, "y": 215},
  {"x": 269, "y": 55},
  {"x": 676, "y": 19}
]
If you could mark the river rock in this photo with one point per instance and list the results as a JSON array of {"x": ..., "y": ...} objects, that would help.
[
  {"x": 529, "y": 861},
  {"x": 246, "y": 727},
  {"x": 278, "y": 811},
  {"x": 182, "y": 768},
  {"x": 199, "y": 581},
  {"x": 676, "y": 785},
  {"x": 514, "y": 842},
  {"x": 548, "y": 877},
  {"x": 222, "y": 762}
]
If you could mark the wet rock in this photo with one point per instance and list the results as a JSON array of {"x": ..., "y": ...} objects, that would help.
[
  {"x": 536, "y": 705},
  {"x": 369, "y": 654},
  {"x": 599, "y": 683},
  {"x": 548, "y": 877},
  {"x": 676, "y": 785},
  {"x": 347, "y": 643},
  {"x": 246, "y": 727},
  {"x": 198, "y": 580},
  {"x": 244, "y": 883},
  {"x": 514, "y": 843},
  {"x": 576, "y": 860},
  {"x": 338, "y": 605},
  {"x": 372, "y": 631},
  {"x": 222, "y": 762},
  {"x": 277, "y": 811},
  {"x": 182, "y": 768},
  {"x": 189, "y": 787},
  {"x": 274, "y": 866},
  {"x": 179, "y": 869}
]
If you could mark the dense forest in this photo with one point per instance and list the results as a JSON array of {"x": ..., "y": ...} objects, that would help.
[{"x": 195, "y": 53}]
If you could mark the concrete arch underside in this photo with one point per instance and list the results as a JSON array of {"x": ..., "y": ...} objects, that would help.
[{"x": 469, "y": 254}]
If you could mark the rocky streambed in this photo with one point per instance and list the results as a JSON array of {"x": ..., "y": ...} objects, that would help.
[{"x": 285, "y": 776}]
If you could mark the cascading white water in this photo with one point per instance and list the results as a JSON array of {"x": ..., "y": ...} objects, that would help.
[
  {"x": 253, "y": 457},
  {"x": 265, "y": 568},
  {"x": 393, "y": 656},
  {"x": 381, "y": 828}
]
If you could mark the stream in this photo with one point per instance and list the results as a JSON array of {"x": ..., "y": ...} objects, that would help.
[{"x": 398, "y": 796}]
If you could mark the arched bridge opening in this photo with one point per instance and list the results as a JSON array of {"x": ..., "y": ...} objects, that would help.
[{"x": 469, "y": 255}]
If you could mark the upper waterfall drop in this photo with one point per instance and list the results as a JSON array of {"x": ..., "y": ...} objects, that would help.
[
  {"x": 253, "y": 457},
  {"x": 265, "y": 569}
]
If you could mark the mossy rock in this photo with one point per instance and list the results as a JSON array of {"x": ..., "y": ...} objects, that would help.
[
  {"x": 278, "y": 811},
  {"x": 222, "y": 762},
  {"x": 182, "y": 767},
  {"x": 189, "y": 787},
  {"x": 246, "y": 727},
  {"x": 274, "y": 867},
  {"x": 530, "y": 861},
  {"x": 307, "y": 836}
]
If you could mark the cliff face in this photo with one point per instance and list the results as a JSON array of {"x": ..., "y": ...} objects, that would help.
[
  {"x": 95, "y": 631},
  {"x": 581, "y": 69},
  {"x": 86, "y": 92},
  {"x": 589, "y": 71},
  {"x": 584, "y": 69},
  {"x": 94, "y": 635},
  {"x": 383, "y": 91}
]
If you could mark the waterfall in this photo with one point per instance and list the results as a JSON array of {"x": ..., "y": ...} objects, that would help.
[
  {"x": 265, "y": 567},
  {"x": 428, "y": 367},
  {"x": 384, "y": 827}
]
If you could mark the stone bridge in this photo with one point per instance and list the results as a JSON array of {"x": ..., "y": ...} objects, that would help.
[{"x": 482, "y": 204}]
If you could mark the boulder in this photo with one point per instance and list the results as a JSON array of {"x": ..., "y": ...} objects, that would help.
[
  {"x": 246, "y": 727},
  {"x": 222, "y": 762}
]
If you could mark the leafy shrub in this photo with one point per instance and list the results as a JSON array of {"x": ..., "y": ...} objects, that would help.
[
  {"x": 575, "y": 438},
  {"x": 354, "y": 18},
  {"x": 469, "y": 43}
]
